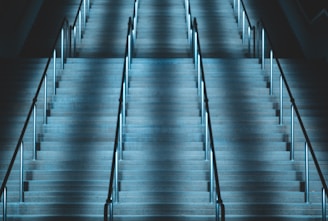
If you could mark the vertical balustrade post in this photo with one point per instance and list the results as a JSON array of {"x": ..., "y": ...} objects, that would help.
[
  {"x": 211, "y": 176},
  {"x": 74, "y": 40},
  {"x": 121, "y": 138},
  {"x": 4, "y": 204},
  {"x": 45, "y": 100},
  {"x": 195, "y": 48},
  {"x": 306, "y": 188},
  {"x": 127, "y": 69},
  {"x": 249, "y": 40},
  {"x": 271, "y": 72},
  {"x": 54, "y": 70},
  {"x": 62, "y": 48},
  {"x": 243, "y": 27},
  {"x": 129, "y": 50},
  {"x": 80, "y": 26},
  {"x": 84, "y": 14},
  {"x": 89, "y": 7},
  {"x": 34, "y": 133},
  {"x": 292, "y": 138},
  {"x": 323, "y": 204},
  {"x": 21, "y": 177},
  {"x": 111, "y": 211},
  {"x": 123, "y": 103},
  {"x": 202, "y": 102},
  {"x": 199, "y": 71},
  {"x": 116, "y": 177},
  {"x": 281, "y": 120},
  {"x": 206, "y": 136},
  {"x": 238, "y": 12},
  {"x": 263, "y": 50},
  {"x": 217, "y": 210},
  {"x": 187, "y": 15}
]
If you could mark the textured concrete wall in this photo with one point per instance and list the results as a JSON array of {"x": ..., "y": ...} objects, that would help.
[
  {"x": 312, "y": 35},
  {"x": 16, "y": 20}
]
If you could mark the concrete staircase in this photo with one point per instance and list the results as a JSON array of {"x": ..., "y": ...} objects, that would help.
[
  {"x": 69, "y": 179},
  {"x": 163, "y": 174},
  {"x": 19, "y": 80},
  {"x": 166, "y": 35},
  {"x": 258, "y": 180}
]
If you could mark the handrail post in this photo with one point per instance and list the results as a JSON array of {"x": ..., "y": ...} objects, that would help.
[
  {"x": 249, "y": 41},
  {"x": 217, "y": 210},
  {"x": 238, "y": 12},
  {"x": 199, "y": 74},
  {"x": 84, "y": 14},
  {"x": 292, "y": 138},
  {"x": 323, "y": 204},
  {"x": 89, "y": 6},
  {"x": 211, "y": 177},
  {"x": 206, "y": 136},
  {"x": 4, "y": 205},
  {"x": 281, "y": 120},
  {"x": 111, "y": 211},
  {"x": 306, "y": 188},
  {"x": 271, "y": 72},
  {"x": 45, "y": 100},
  {"x": 263, "y": 45},
  {"x": 123, "y": 103},
  {"x": 116, "y": 177},
  {"x": 54, "y": 69},
  {"x": 121, "y": 138},
  {"x": 62, "y": 48},
  {"x": 254, "y": 41},
  {"x": 243, "y": 27},
  {"x": 129, "y": 50},
  {"x": 74, "y": 40},
  {"x": 34, "y": 133},
  {"x": 127, "y": 69},
  {"x": 21, "y": 177},
  {"x": 202, "y": 102},
  {"x": 80, "y": 26},
  {"x": 195, "y": 48}
]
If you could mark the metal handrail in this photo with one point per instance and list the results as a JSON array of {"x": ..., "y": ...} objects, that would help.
[
  {"x": 242, "y": 12},
  {"x": 193, "y": 37},
  {"x": 64, "y": 24},
  {"x": 199, "y": 63},
  {"x": 118, "y": 133},
  {"x": 294, "y": 108},
  {"x": 65, "y": 51},
  {"x": 78, "y": 24}
]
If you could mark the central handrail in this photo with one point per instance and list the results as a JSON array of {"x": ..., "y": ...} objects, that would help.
[
  {"x": 193, "y": 37},
  {"x": 207, "y": 119},
  {"x": 118, "y": 133},
  {"x": 113, "y": 188}
]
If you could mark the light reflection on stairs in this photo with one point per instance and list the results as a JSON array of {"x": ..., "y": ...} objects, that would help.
[{"x": 163, "y": 172}]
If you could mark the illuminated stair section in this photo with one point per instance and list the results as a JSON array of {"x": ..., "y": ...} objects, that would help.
[
  {"x": 161, "y": 30},
  {"x": 69, "y": 179},
  {"x": 258, "y": 179},
  {"x": 19, "y": 80},
  {"x": 105, "y": 33},
  {"x": 163, "y": 174}
]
